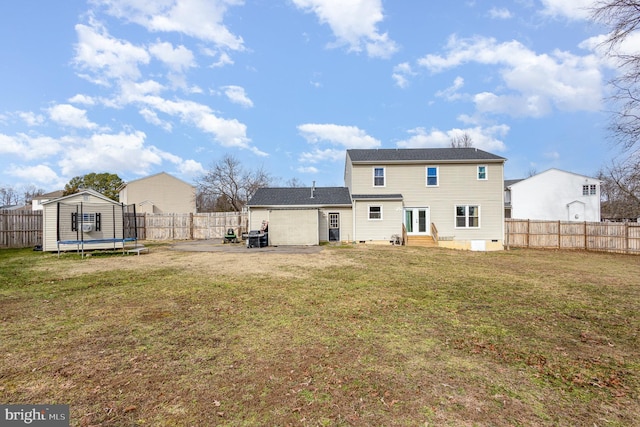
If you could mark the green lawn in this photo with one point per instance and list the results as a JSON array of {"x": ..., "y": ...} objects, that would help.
[{"x": 353, "y": 336}]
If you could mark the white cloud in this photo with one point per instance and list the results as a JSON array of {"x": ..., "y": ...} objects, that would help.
[
  {"x": 68, "y": 115},
  {"x": 29, "y": 146},
  {"x": 30, "y": 118},
  {"x": 40, "y": 173},
  {"x": 570, "y": 9},
  {"x": 105, "y": 57},
  {"x": 191, "y": 168},
  {"x": 317, "y": 156},
  {"x": 223, "y": 59},
  {"x": 354, "y": 23},
  {"x": 307, "y": 169},
  {"x": 200, "y": 19},
  {"x": 346, "y": 136},
  {"x": 118, "y": 153},
  {"x": 532, "y": 83},
  {"x": 237, "y": 95},
  {"x": 82, "y": 99},
  {"x": 500, "y": 13},
  {"x": 487, "y": 138},
  {"x": 177, "y": 59},
  {"x": 151, "y": 117},
  {"x": 10, "y": 145},
  {"x": 451, "y": 93},
  {"x": 402, "y": 73}
]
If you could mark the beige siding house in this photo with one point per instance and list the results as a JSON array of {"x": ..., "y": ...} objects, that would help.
[
  {"x": 448, "y": 197},
  {"x": 452, "y": 196},
  {"x": 159, "y": 193},
  {"x": 86, "y": 219},
  {"x": 302, "y": 215}
]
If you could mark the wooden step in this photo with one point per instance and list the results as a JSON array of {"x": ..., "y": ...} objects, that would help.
[{"x": 424, "y": 241}]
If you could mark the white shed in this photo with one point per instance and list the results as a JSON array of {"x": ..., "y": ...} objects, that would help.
[{"x": 84, "y": 220}]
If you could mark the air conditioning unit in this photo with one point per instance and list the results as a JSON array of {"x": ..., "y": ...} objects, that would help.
[{"x": 87, "y": 227}]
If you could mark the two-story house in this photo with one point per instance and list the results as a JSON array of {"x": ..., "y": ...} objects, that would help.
[
  {"x": 553, "y": 195},
  {"x": 449, "y": 197},
  {"x": 159, "y": 193}
]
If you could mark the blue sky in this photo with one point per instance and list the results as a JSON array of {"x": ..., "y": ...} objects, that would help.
[{"x": 136, "y": 87}]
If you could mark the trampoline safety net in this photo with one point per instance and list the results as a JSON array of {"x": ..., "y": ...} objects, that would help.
[{"x": 86, "y": 222}]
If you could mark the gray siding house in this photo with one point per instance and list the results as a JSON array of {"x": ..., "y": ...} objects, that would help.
[{"x": 448, "y": 197}]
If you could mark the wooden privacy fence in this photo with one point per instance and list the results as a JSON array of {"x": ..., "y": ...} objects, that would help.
[
  {"x": 212, "y": 225},
  {"x": 20, "y": 229},
  {"x": 619, "y": 237}
]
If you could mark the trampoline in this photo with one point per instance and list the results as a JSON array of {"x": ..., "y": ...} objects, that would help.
[{"x": 90, "y": 226}]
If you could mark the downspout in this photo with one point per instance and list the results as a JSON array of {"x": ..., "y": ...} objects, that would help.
[{"x": 353, "y": 218}]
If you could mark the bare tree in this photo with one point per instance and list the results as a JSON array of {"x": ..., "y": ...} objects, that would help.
[
  {"x": 463, "y": 140},
  {"x": 9, "y": 196},
  {"x": 30, "y": 192},
  {"x": 228, "y": 184},
  {"x": 620, "y": 189},
  {"x": 623, "y": 19},
  {"x": 294, "y": 182}
]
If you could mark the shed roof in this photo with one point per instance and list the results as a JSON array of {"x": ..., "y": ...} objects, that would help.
[
  {"x": 87, "y": 191},
  {"x": 301, "y": 196},
  {"x": 421, "y": 154}
]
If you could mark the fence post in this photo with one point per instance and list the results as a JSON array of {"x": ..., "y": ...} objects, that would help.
[
  {"x": 190, "y": 225},
  {"x": 626, "y": 237},
  {"x": 559, "y": 235},
  {"x": 585, "y": 235}
]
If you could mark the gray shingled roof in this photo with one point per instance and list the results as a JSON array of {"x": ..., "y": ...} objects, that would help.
[
  {"x": 421, "y": 154},
  {"x": 301, "y": 196},
  {"x": 510, "y": 182}
]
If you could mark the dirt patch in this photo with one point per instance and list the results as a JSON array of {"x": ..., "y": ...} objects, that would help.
[{"x": 211, "y": 258}]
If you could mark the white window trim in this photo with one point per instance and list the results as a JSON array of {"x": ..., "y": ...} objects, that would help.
[
  {"x": 466, "y": 217},
  {"x": 426, "y": 176},
  {"x": 369, "y": 212},
  {"x": 384, "y": 176},
  {"x": 486, "y": 173}
]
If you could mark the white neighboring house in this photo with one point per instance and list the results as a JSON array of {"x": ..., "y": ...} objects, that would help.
[
  {"x": 36, "y": 203},
  {"x": 553, "y": 195}
]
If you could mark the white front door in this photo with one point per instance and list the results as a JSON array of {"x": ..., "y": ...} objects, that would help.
[{"x": 417, "y": 221}]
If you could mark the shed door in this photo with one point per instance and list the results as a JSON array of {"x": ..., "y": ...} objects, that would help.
[
  {"x": 334, "y": 227},
  {"x": 294, "y": 227}
]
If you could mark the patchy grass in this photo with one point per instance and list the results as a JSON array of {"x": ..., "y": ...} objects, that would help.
[{"x": 369, "y": 336}]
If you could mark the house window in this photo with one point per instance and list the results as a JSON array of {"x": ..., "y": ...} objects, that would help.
[
  {"x": 378, "y": 177},
  {"x": 589, "y": 190},
  {"x": 592, "y": 189},
  {"x": 375, "y": 212},
  {"x": 467, "y": 216},
  {"x": 482, "y": 173},
  {"x": 432, "y": 176}
]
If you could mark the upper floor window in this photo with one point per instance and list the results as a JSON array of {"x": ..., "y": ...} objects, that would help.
[
  {"x": 467, "y": 216},
  {"x": 432, "y": 176},
  {"x": 375, "y": 212},
  {"x": 378, "y": 177},
  {"x": 589, "y": 190},
  {"x": 482, "y": 172}
]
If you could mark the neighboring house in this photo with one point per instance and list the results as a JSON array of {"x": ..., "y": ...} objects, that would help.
[
  {"x": 452, "y": 197},
  {"x": 159, "y": 193},
  {"x": 81, "y": 218},
  {"x": 36, "y": 203},
  {"x": 554, "y": 195}
]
